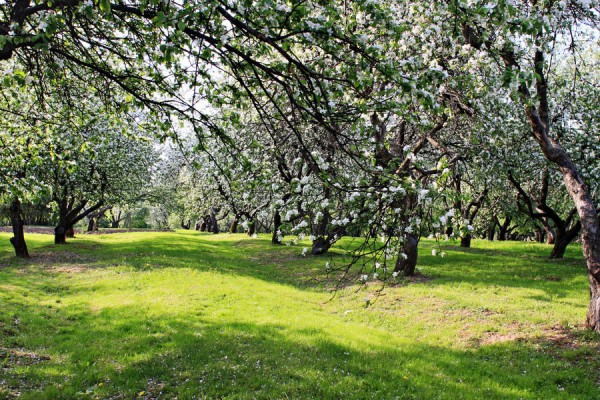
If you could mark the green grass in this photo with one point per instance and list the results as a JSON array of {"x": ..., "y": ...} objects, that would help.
[{"x": 195, "y": 316}]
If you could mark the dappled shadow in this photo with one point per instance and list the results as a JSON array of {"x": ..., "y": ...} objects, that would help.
[
  {"x": 238, "y": 254},
  {"x": 122, "y": 353}
]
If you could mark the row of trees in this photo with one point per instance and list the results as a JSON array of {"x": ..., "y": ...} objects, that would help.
[{"x": 383, "y": 119}]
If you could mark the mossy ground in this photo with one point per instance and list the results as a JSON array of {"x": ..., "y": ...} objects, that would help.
[{"x": 198, "y": 316}]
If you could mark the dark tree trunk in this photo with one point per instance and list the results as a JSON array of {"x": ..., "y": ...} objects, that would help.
[
  {"x": 465, "y": 241},
  {"x": 504, "y": 229},
  {"x": 406, "y": 266},
  {"x": 186, "y": 225},
  {"x": 70, "y": 232},
  {"x": 198, "y": 224},
  {"x": 60, "y": 235},
  {"x": 214, "y": 223},
  {"x": 115, "y": 221},
  {"x": 540, "y": 235},
  {"x": 560, "y": 245},
  {"x": 234, "y": 224},
  {"x": 320, "y": 246},
  {"x": 92, "y": 225},
  {"x": 491, "y": 231},
  {"x": 204, "y": 224},
  {"x": 276, "y": 226},
  {"x": 251, "y": 227},
  {"x": 18, "y": 239}
]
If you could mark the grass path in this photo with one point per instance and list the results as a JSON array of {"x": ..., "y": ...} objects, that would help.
[{"x": 195, "y": 316}]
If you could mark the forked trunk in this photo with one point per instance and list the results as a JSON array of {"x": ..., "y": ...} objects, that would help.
[
  {"x": 18, "y": 239},
  {"x": 406, "y": 265}
]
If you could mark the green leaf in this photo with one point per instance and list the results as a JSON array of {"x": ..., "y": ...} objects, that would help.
[{"x": 104, "y": 5}]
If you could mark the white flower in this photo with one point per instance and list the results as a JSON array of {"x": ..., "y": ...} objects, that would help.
[
  {"x": 443, "y": 254},
  {"x": 364, "y": 277},
  {"x": 304, "y": 251},
  {"x": 443, "y": 219},
  {"x": 375, "y": 275},
  {"x": 434, "y": 252},
  {"x": 377, "y": 265}
]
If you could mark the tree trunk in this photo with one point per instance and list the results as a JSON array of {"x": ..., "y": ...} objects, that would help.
[
  {"x": 60, "y": 235},
  {"x": 214, "y": 223},
  {"x": 92, "y": 225},
  {"x": 406, "y": 266},
  {"x": 251, "y": 227},
  {"x": 198, "y": 224},
  {"x": 204, "y": 224},
  {"x": 540, "y": 235},
  {"x": 551, "y": 238},
  {"x": 503, "y": 229},
  {"x": 491, "y": 231},
  {"x": 18, "y": 239},
  {"x": 465, "y": 241},
  {"x": 320, "y": 246},
  {"x": 234, "y": 225},
  {"x": 70, "y": 233},
  {"x": 276, "y": 226},
  {"x": 115, "y": 221},
  {"x": 560, "y": 245}
]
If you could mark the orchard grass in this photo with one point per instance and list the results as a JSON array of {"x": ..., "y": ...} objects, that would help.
[{"x": 198, "y": 316}]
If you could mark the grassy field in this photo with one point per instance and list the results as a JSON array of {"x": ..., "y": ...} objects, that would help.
[{"x": 195, "y": 316}]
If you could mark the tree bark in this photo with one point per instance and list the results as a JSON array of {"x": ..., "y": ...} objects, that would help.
[
  {"x": 491, "y": 231},
  {"x": 251, "y": 227},
  {"x": 276, "y": 226},
  {"x": 320, "y": 246},
  {"x": 92, "y": 225},
  {"x": 234, "y": 224},
  {"x": 60, "y": 235},
  {"x": 214, "y": 222},
  {"x": 406, "y": 266},
  {"x": 465, "y": 241},
  {"x": 18, "y": 239},
  {"x": 537, "y": 111}
]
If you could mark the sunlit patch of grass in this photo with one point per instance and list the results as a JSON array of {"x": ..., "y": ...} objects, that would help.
[{"x": 191, "y": 315}]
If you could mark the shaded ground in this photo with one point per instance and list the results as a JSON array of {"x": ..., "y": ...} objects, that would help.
[{"x": 189, "y": 315}]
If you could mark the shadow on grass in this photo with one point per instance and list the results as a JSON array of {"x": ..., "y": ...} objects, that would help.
[
  {"x": 123, "y": 353},
  {"x": 237, "y": 254}
]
